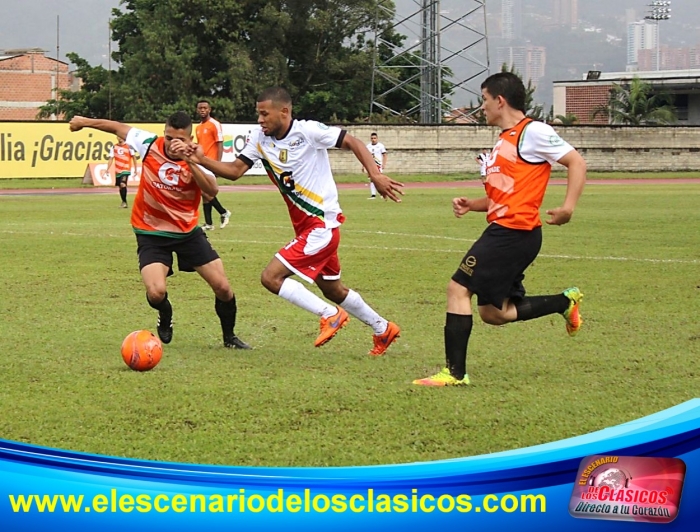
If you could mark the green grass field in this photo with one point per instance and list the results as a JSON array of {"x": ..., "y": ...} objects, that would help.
[
  {"x": 71, "y": 291},
  {"x": 356, "y": 178}
]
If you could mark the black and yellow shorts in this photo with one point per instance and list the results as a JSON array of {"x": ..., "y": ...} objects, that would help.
[{"x": 494, "y": 267}]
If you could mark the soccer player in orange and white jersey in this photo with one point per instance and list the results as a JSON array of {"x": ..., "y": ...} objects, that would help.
[
  {"x": 122, "y": 156},
  {"x": 165, "y": 219},
  {"x": 211, "y": 137},
  {"x": 517, "y": 173},
  {"x": 294, "y": 154}
]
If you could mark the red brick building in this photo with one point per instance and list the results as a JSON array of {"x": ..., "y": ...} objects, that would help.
[
  {"x": 670, "y": 58},
  {"x": 582, "y": 97},
  {"x": 582, "y": 100},
  {"x": 28, "y": 79}
]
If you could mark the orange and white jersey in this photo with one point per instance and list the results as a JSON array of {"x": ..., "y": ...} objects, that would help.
[
  {"x": 209, "y": 133},
  {"x": 123, "y": 155},
  {"x": 167, "y": 200},
  {"x": 299, "y": 165},
  {"x": 517, "y": 173}
]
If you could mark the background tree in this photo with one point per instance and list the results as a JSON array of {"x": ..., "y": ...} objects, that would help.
[
  {"x": 637, "y": 104},
  {"x": 566, "y": 120},
  {"x": 171, "y": 53}
]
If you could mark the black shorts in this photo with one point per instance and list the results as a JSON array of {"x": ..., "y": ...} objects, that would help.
[
  {"x": 192, "y": 251},
  {"x": 122, "y": 178},
  {"x": 494, "y": 267}
]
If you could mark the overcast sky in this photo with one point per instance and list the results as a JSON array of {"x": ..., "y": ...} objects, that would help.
[{"x": 83, "y": 24}]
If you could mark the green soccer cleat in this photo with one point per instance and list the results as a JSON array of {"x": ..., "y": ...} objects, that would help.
[
  {"x": 442, "y": 378},
  {"x": 572, "y": 314}
]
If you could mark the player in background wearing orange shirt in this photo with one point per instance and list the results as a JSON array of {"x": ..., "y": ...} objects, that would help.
[
  {"x": 165, "y": 218},
  {"x": 122, "y": 156},
  {"x": 517, "y": 173},
  {"x": 211, "y": 137}
]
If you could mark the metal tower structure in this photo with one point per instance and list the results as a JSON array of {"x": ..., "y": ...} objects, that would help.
[{"x": 437, "y": 70}]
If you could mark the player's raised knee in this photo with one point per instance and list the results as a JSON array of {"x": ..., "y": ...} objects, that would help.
[{"x": 271, "y": 281}]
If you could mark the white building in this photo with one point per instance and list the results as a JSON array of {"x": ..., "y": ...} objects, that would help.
[
  {"x": 565, "y": 12},
  {"x": 529, "y": 61},
  {"x": 642, "y": 35},
  {"x": 511, "y": 19}
]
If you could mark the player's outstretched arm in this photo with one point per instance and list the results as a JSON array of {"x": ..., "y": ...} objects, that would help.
[
  {"x": 228, "y": 170},
  {"x": 576, "y": 180},
  {"x": 206, "y": 183},
  {"x": 386, "y": 187},
  {"x": 108, "y": 126}
]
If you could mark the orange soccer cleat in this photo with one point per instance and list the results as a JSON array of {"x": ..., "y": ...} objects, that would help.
[
  {"x": 330, "y": 326},
  {"x": 383, "y": 341}
]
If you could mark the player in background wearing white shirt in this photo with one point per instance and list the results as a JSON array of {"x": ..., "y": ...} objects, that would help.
[
  {"x": 378, "y": 152},
  {"x": 482, "y": 159},
  {"x": 294, "y": 154}
]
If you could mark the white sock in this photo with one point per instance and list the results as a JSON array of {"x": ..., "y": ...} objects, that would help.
[
  {"x": 372, "y": 190},
  {"x": 356, "y": 306},
  {"x": 295, "y": 292}
]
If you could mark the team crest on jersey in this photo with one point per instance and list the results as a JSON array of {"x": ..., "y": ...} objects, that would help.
[
  {"x": 169, "y": 174},
  {"x": 283, "y": 156},
  {"x": 556, "y": 140}
]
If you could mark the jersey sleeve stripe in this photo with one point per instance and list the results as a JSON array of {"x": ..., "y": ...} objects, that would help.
[
  {"x": 246, "y": 160},
  {"x": 339, "y": 142}
]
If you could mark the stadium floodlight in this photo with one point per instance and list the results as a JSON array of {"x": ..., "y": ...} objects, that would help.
[{"x": 658, "y": 10}]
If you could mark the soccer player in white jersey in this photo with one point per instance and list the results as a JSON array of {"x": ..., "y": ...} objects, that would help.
[
  {"x": 378, "y": 151},
  {"x": 294, "y": 154},
  {"x": 482, "y": 159}
]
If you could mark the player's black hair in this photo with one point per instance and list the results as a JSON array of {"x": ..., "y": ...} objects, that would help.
[
  {"x": 508, "y": 85},
  {"x": 275, "y": 95},
  {"x": 179, "y": 120},
  {"x": 374, "y": 135},
  {"x": 203, "y": 101}
]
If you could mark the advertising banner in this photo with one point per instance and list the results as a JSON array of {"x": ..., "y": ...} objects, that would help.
[
  {"x": 50, "y": 150},
  {"x": 235, "y": 136},
  {"x": 634, "y": 472},
  {"x": 97, "y": 174}
]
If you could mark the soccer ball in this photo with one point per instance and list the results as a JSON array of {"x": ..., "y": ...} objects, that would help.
[{"x": 142, "y": 350}]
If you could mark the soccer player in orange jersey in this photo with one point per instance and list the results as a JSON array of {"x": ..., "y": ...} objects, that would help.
[
  {"x": 165, "y": 219},
  {"x": 517, "y": 173},
  {"x": 122, "y": 157},
  {"x": 211, "y": 137}
]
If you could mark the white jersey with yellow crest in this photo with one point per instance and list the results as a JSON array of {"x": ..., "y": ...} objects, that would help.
[{"x": 299, "y": 165}]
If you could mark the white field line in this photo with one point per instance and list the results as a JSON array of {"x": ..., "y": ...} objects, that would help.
[{"x": 383, "y": 248}]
